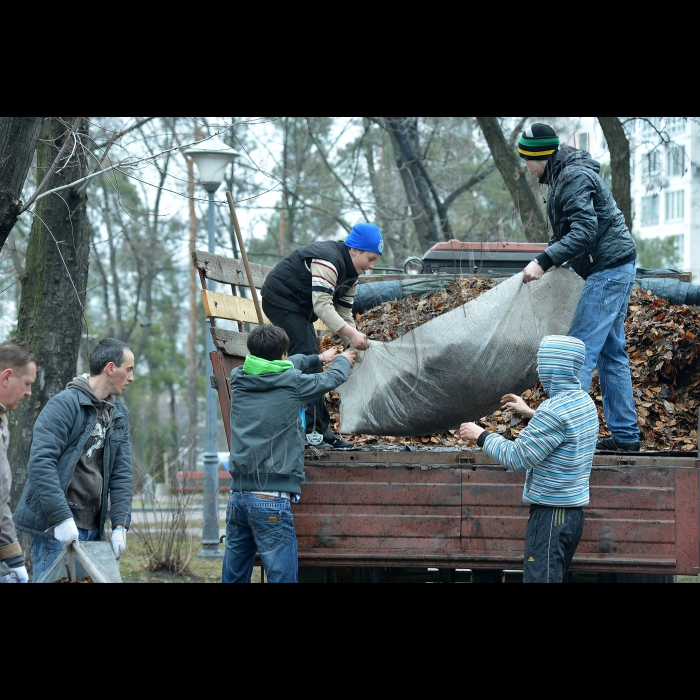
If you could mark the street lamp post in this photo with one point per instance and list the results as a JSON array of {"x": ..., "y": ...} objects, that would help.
[{"x": 211, "y": 157}]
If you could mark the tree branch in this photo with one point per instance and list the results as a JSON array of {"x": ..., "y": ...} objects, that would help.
[
  {"x": 517, "y": 131},
  {"x": 109, "y": 145},
  {"x": 322, "y": 153},
  {"x": 472, "y": 182},
  {"x": 54, "y": 167}
]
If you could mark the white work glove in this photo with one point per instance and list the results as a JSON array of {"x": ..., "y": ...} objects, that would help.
[
  {"x": 10, "y": 578},
  {"x": 67, "y": 532},
  {"x": 119, "y": 542},
  {"x": 21, "y": 573}
]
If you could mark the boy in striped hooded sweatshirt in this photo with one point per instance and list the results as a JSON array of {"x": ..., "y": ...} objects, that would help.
[{"x": 556, "y": 451}]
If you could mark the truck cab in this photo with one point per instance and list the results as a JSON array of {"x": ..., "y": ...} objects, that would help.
[{"x": 498, "y": 259}]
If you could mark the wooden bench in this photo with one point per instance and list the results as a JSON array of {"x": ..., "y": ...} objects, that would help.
[{"x": 230, "y": 347}]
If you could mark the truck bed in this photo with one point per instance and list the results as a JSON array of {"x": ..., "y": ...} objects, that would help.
[{"x": 461, "y": 510}]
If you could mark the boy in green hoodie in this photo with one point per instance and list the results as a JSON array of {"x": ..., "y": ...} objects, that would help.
[{"x": 268, "y": 397}]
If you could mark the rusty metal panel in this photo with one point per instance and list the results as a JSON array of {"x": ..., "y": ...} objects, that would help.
[
  {"x": 688, "y": 521},
  {"x": 631, "y": 520},
  {"x": 641, "y": 519},
  {"x": 630, "y": 523},
  {"x": 494, "y": 518},
  {"x": 359, "y": 509}
]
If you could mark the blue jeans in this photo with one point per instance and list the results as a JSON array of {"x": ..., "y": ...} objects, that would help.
[
  {"x": 255, "y": 523},
  {"x": 46, "y": 550},
  {"x": 600, "y": 323}
]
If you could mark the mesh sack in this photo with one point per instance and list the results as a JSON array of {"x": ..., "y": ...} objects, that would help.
[{"x": 457, "y": 367}]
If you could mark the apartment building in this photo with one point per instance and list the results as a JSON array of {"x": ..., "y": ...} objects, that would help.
[{"x": 666, "y": 184}]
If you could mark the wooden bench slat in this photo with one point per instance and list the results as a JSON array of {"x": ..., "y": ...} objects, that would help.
[
  {"x": 230, "y": 342},
  {"x": 227, "y": 270},
  {"x": 230, "y": 308}
]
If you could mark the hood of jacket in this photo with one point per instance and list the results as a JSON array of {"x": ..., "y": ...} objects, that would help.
[
  {"x": 257, "y": 366},
  {"x": 105, "y": 409},
  {"x": 560, "y": 359},
  {"x": 568, "y": 157}
]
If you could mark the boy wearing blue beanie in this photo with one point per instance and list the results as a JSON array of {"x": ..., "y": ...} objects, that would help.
[{"x": 319, "y": 281}]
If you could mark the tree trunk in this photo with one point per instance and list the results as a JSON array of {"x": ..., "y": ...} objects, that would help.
[
  {"x": 531, "y": 216},
  {"x": 619, "y": 147},
  {"x": 192, "y": 357},
  {"x": 404, "y": 138},
  {"x": 380, "y": 208},
  {"x": 53, "y": 293},
  {"x": 18, "y": 136}
]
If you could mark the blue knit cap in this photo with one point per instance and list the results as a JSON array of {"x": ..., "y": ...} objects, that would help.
[{"x": 366, "y": 237}]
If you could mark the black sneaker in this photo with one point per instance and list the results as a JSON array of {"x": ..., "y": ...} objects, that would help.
[
  {"x": 316, "y": 441},
  {"x": 337, "y": 443},
  {"x": 611, "y": 445}
]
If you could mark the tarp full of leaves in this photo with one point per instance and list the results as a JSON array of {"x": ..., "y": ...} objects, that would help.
[
  {"x": 457, "y": 366},
  {"x": 663, "y": 345}
]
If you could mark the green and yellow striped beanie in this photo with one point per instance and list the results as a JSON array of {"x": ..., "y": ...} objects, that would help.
[{"x": 539, "y": 142}]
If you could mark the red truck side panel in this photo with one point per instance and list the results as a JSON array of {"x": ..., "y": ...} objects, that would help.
[
  {"x": 688, "y": 514},
  {"x": 359, "y": 509},
  {"x": 641, "y": 519}
]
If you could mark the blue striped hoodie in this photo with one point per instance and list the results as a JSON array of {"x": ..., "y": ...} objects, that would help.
[{"x": 557, "y": 447}]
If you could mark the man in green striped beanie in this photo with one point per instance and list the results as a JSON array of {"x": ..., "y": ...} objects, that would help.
[
  {"x": 537, "y": 145},
  {"x": 589, "y": 232}
]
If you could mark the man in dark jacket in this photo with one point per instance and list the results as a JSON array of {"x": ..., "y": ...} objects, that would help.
[
  {"x": 590, "y": 233},
  {"x": 268, "y": 397},
  {"x": 80, "y": 460},
  {"x": 319, "y": 281}
]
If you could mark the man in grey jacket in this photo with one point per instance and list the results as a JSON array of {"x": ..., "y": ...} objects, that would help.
[
  {"x": 589, "y": 232},
  {"x": 80, "y": 461},
  {"x": 17, "y": 374},
  {"x": 269, "y": 395}
]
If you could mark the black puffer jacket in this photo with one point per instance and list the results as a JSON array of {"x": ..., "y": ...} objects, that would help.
[{"x": 588, "y": 228}]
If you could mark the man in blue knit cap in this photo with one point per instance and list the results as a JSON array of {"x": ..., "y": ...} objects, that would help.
[{"x": 319, "y": 281}]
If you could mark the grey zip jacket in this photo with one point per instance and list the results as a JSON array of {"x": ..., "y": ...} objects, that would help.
[
  {"x": 61, "y": 433},
  {"x": 267, "y": 434}
]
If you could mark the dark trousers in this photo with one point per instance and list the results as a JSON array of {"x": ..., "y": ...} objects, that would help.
[
  {"x": 553, "y": 536},
  {"x": 302, "y": 341}
]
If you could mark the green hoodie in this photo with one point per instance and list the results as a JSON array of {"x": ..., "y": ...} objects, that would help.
[
  {"x": 267, "y": 434},
  {"x": 257, "y": 367}
]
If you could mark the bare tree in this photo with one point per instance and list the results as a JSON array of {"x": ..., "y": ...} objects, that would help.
[
  {"x": 18, "y": 136},
  {"x": 619, "y": 147},
  {"x": 53, "y": 289},
  {"x": 511, "y": 170},
  {"x": 418, "y": 185},
  {"x": 428, "y": 201}
]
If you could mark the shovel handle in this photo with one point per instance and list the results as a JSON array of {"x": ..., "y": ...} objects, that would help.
[{"x": 244, "y": 255}]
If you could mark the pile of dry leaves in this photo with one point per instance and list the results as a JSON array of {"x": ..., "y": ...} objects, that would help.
[{"x": 663, "y": 346}]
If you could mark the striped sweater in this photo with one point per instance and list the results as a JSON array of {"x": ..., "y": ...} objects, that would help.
[
  {"x": 324, "y": 281},
  {"x": 318, "y": 281},
  {"x": 556, "y": 449}
]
